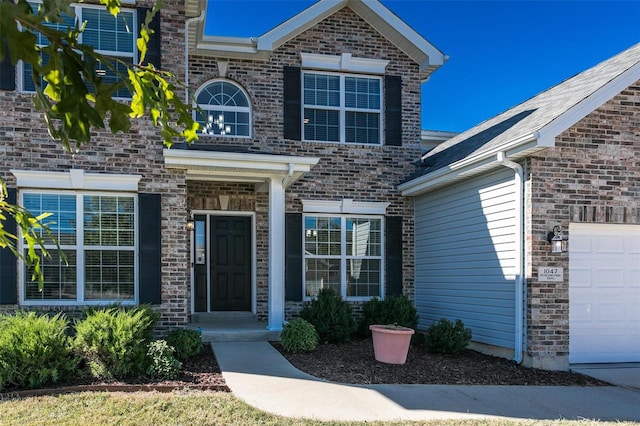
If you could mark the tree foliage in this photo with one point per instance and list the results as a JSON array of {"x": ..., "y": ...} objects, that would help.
[{"x": 75, "y": 100}]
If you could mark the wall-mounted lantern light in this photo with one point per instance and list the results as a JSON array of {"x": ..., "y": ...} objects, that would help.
[
  {"x": 558, "y": 241},
  {"x": 191, "y": 224}
]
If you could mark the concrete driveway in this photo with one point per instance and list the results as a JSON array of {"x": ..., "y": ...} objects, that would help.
[{"x": 625, "y": 375}]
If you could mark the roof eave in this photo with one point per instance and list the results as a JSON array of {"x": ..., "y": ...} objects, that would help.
[{"x": 471, "y": 166}]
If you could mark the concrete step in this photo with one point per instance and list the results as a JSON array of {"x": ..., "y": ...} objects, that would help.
[{"x": 232, "y": 327}]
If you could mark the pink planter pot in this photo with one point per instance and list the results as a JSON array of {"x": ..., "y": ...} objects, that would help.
[{"x": 390, "y": 343}]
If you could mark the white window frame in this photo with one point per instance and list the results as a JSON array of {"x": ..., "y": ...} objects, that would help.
[
  {"x": 80, "y": 249},
  {"x": 248, "y": 109},
  {"x": 344, "y": 257},
  {"x": 342, "y": 108},
  {"x": 78, "y": 8}
]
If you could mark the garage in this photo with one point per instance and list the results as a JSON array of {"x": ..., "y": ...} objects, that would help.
[{"x": 604, "y": 293}]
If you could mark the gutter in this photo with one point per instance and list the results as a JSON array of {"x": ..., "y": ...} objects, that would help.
[
  {"x": 195, "y": 19},
  {"x": 466, "y": 165},
  {"x": 503, "y": 160}
]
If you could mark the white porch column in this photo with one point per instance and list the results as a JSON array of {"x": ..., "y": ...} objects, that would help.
[{"x": 276, "y": 253}]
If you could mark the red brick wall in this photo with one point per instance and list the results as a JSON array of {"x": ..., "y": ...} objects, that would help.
[{"x": 591, "y": 175}]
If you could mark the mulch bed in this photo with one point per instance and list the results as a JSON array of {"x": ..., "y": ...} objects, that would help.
[
  {"x": 200, "y": 372},
  {"x": 352, "y": 363}
]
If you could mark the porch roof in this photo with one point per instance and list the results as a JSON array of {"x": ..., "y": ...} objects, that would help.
[{"x": 230, "y": 166}]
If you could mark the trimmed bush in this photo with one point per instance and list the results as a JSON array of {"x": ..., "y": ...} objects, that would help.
[
  {"x": 445, "y": 337},
  {"x": 186, "y": 342},
  {"x": 331, "y": 317},
  {"x": 113, "y": 341},
  {"x": 298, "y": 335},
  {"x": 398, "y": 310},
  {"x": 162, "y": 362},
  {"x": 35, "y": 350}
]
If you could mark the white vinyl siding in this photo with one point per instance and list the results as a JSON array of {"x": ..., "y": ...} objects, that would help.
[{"x": 465, "y": 256}]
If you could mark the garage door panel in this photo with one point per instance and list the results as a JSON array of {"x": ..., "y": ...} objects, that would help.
[
  {"x": 609, "y": 278},
  {"x": 604, "y": 293},
  {"x": 581, "y": 312},
  {"x": 581, "y": 244},
  {"x": 608, "y": 312},
  {"x": 609, "y": 244},
  {"x": 581, "y": 277}
]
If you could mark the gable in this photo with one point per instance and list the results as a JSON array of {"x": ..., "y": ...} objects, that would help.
[{"x": 385, "y": 22}]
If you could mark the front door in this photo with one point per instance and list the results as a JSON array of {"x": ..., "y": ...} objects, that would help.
[{"x": 224, "y": 278}]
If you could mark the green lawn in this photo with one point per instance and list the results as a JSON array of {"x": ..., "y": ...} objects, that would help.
[{"x": 178, "y": 408}]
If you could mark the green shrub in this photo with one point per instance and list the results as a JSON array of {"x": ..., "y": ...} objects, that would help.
[
  {"x": 331, "y": 317},
  {"x": 162, "y": 362},
  {"x": 298, "y": 335},
  {"x": 113, "y": 341},
  {"x": 397, "y": 310},
  {"x": 34, "y": 350},
  {"x": 186, "y": 342},
  {"x": 445, "y": 337}
]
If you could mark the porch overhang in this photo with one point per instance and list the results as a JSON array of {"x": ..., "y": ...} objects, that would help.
[{"x": 238, "y": 166}]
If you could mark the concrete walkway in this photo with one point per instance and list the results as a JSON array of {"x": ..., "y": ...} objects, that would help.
[{"x": 257, "y": 373}]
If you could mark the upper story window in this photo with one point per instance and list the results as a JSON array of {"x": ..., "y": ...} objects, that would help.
[
  {"x": 224, "y": 109},
  {"x": 108, "y": 35},
  {"x": 342, "y": 108}
]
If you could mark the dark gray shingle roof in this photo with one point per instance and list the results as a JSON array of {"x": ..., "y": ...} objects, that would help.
[{"x": 530, "y": 116}]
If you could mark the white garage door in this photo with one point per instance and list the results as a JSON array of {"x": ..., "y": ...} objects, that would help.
[{"x": 604, "y": 293}]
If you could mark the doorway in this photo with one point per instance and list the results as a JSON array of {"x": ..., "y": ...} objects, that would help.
[{"x": 222, "y": 263}]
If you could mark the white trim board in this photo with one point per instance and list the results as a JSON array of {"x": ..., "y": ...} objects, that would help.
[{"x": 76, "y": 179}]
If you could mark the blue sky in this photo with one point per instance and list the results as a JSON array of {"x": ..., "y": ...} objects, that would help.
[{"x": 501, "y": 52}]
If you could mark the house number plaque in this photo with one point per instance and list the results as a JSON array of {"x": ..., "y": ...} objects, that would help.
[{"x": 550, "y": 274}]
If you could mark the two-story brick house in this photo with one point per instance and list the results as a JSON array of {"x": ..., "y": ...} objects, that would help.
[{"x": 291, "y": 187}]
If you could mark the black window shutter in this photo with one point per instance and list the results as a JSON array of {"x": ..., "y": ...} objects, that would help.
[
  {"x": 293, "y": 257},
  {"x": 393, "y": 255},
  {"x": 7, "y": 71},
  {"x": 292, "y": 105},
  {"x": 150, "y": 256},
  {"x": 393, "y": 110},
  {"x": 8, "y": 267},
  {"x": 154, "y": 46}
]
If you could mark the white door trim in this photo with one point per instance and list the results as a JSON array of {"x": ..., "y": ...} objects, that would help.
[{"x": 209, "y": 213}]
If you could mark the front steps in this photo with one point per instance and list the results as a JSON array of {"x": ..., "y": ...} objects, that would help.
[{"x": 232, "y": 327}]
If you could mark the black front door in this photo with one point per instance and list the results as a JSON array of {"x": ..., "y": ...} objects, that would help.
[
  {"x": 230, "y": 263},
  {"x": 222, "y": 263}
]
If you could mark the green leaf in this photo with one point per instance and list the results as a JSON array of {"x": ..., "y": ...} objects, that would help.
[{"x": 113, "y": 6}]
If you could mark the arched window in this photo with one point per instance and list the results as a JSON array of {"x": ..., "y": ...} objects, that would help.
[{"x": 225, "y": 109}]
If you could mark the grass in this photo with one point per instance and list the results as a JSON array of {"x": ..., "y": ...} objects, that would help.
[{"x": 181, "y": 408}]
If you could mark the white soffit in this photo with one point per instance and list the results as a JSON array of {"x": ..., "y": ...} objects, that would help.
[{"x": 76, "y": 179}]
